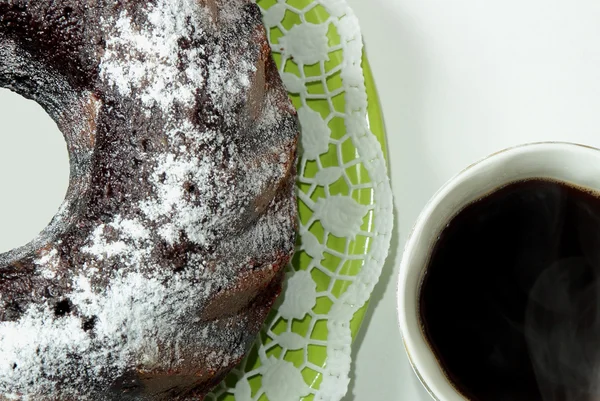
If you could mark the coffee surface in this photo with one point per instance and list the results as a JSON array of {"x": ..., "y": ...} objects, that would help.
[{"x": 510, "y": 301}]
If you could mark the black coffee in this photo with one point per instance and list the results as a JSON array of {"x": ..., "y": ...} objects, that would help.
[{"x": 510, "y": 301}]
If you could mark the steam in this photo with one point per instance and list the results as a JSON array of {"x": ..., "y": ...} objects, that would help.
[{"x": 562, "y": 330}]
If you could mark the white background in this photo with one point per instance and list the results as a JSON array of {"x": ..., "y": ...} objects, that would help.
[{"x": 457, "y": 80}]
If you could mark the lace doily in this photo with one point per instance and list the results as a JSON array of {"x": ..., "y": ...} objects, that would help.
[{"x": 345, "y": 210}]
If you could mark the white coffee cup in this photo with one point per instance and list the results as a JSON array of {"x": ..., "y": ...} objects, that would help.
[{"x": 567, "y": 162}]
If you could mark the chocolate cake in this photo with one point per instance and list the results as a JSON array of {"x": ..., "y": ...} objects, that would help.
[{"x": 155, "y": 275}]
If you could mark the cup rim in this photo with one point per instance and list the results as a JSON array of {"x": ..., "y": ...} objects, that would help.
[{"x": 431, "y": 205}]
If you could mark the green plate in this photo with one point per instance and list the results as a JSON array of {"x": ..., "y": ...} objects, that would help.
[{"x": 295, "y": 351}]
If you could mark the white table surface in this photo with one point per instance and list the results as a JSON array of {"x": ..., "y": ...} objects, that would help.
[{"x": 457, "y": 80}]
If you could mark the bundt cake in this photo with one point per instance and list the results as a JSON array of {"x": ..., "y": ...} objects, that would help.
[{"x": 161, "y": 265}]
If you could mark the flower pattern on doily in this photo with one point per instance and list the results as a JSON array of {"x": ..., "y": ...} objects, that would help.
[
  {"x": 291, "y": 340},
  {"x": 328, "y": 175},
  {"x": 336, "y": 8},
  {"x": 274, "y": 15},
  {"x": 340, "y": 215},
  {"x": 293, "y": 83},
  {"x": 282, "y": 381},
  {"x": 242, "y": 391},
  {"x": 315, "y": 133},
  {"x": 300, "y": 296},
  {"x": 306, "y": 44},
  {"x": 312, "y": 246},
  {"x": 345, "y": 210}
]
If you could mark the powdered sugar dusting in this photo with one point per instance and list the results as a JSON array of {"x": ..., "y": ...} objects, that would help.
[
  {"x": 26, "y": 354},
  {"x": 170, "y": 177},
  {"x": 131, "y": 243},
  {"x": 48, "y": 262},
  {"x": 139, "y": 309},
  {"x": 152, "y": 72},
  {"x": 223, "y": 84},
  {"x": 153, "y": 54}
]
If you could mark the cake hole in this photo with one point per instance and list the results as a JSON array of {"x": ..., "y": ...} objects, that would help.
[
  {"x": 34, "y": 169},
  {"x": 62, "y": 308}
]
